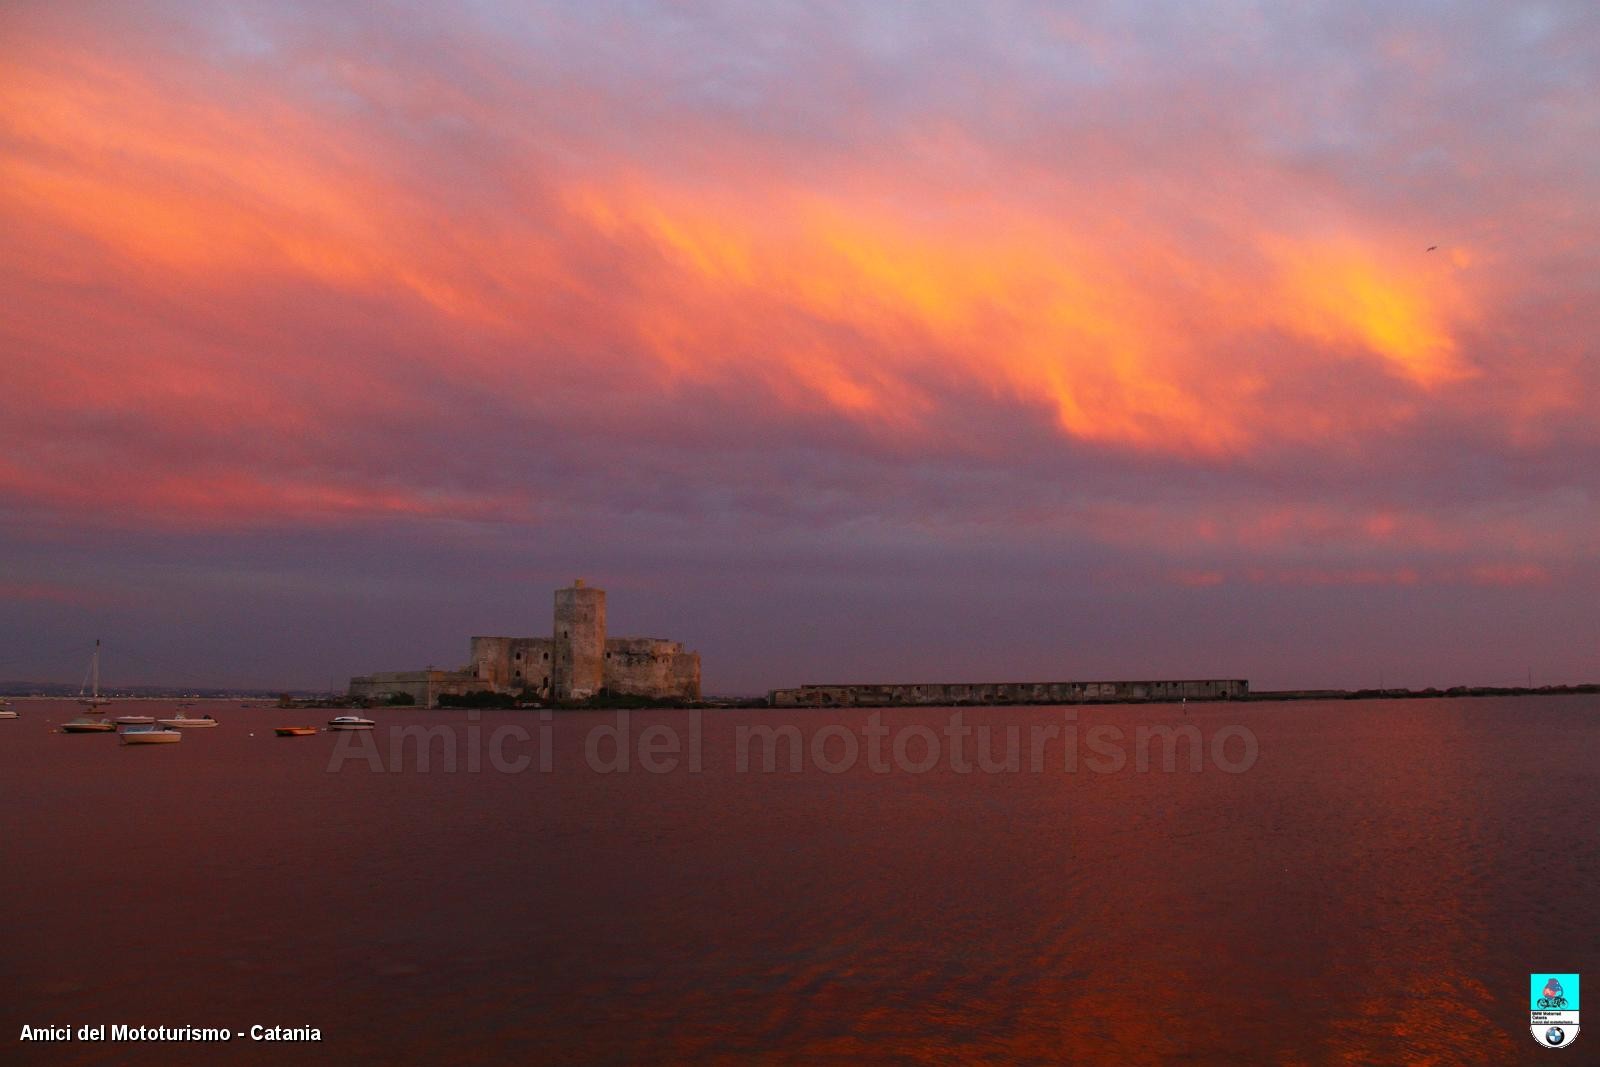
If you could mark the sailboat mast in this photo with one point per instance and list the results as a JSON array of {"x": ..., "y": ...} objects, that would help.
[{"x": 97, "y": 668}]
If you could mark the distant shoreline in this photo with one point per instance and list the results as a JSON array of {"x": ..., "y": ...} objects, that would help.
[
  {"x": 1426, "y": 694},
  {"x": 120, "y": 697},
  {"x": 1254, "y": 697}
]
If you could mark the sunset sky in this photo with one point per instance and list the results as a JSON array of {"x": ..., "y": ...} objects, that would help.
[{"x": 843, "y": 342}]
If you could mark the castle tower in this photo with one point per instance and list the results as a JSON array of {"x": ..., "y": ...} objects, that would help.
[{"x": 578, "y": 665}]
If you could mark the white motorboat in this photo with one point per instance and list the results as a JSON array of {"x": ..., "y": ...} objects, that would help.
[
  {"x": 94, "y": 700},
  {"x": 183, "y": 722},
  {"x": 6, "y": 710},
  {"x": 134, "y": 720},
  {"x": 350, "y": 722},
  {"x": 151, "y": 735}
]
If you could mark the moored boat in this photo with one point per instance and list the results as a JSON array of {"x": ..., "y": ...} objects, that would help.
[
  {"x": 134, "y": 720},
  {"x": 94, "y": 700},
  {"x": 350, "y": 722},
  {"x": 151, "y": 735},
  {"x": 87, "y": 726},
  {"x": 294, "y": 731},
  {"x": 183, "y": 722},
  {"x": 6, "y": 710}
]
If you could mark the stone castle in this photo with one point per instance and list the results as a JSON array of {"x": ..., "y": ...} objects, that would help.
[{"x": 576, "y": 662}]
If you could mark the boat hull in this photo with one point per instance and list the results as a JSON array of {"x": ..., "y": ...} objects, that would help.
[
  {"x": 187, "y": 724},
  {"x": 151, "y": 737},
  {"x": 294, "y": 731},
  {"x": 87, "y": 727},
  {"x": 134, "y": 720}
]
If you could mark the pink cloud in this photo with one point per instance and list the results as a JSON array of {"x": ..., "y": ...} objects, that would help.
[
  {"x": 47, "y": 592},
  {"x": 1199, "y": 579},
  {"x": 385, "y": 285},
  {"x": 1509, "y": 574}
]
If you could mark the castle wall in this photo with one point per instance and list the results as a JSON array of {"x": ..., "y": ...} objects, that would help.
[
  {"x": 512, "y": 664},
  {"x": 945, "y": 694},
  {"x": 578, "y": 659},
  {"x": 424, "y": 687},
  {"x": 651, "y": 667},
  {"x": 491, "y": 661}
]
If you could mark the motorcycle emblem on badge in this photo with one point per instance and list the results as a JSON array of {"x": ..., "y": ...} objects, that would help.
[{"x": 1553, "y": 1008}]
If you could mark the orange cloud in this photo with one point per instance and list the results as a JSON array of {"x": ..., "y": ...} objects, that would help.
[
  {"x": 1114, "y": 337},
  {"x": 167, "y": 221},
  {"x": 836, "y": 295},
  {"x": 1339, "y": 293}
]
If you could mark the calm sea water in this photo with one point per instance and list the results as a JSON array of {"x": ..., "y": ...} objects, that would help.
[{"x": 1375, "y": 888}]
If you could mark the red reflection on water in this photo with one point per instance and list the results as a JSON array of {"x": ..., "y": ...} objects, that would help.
[{"x": 1369, "y": 891}]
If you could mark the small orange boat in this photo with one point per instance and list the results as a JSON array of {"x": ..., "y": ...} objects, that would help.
[{"x": 294, "y": 731}]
